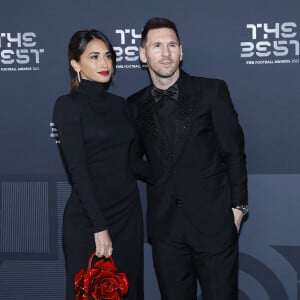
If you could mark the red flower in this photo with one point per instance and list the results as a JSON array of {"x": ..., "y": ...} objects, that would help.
[
  {"x": 100, "y": 282},
  {"x": 109, "y": 286}
]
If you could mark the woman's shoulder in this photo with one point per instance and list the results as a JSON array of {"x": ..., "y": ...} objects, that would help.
[
  {"x": 67, "y": 105},
  {"x": 69, "y": 100}
]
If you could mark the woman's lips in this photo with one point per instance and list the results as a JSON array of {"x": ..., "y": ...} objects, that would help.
[{"x": 104, "y": 73}]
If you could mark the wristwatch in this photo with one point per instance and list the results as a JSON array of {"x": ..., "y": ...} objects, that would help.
[{"x": 242, "y": 207}]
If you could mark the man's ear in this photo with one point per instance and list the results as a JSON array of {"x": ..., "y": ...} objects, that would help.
[
  {"x": 181, "y": 53},
  {"x": 143, "y": 58}
]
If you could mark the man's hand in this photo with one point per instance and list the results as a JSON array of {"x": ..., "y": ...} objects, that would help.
[{"x": 238, "y": 217}]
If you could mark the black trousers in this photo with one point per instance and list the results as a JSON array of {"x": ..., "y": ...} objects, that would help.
[{"x": 187, "y": 256}]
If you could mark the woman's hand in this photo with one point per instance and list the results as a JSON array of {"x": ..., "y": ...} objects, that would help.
[{"x": 103, "y": 244}]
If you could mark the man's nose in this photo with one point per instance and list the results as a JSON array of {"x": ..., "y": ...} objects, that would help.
[{"x": 165, "y": 51}]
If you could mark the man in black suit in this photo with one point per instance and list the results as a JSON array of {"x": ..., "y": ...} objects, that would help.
[{"x": 197, "y": 178}]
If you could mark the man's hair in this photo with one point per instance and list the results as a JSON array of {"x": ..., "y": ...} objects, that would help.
[{"x": 156, "y": 23}]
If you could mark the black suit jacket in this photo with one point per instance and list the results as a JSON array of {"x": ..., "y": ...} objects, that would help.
[{"x": 204, "y": 171}]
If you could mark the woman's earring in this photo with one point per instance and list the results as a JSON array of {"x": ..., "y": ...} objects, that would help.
[{"x": 78, "y": 75}]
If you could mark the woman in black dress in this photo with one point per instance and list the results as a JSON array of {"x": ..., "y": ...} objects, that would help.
[{"x": 103, "y": 213}]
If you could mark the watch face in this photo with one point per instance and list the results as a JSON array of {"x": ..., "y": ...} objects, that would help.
[{"x": 244, "y": 209}]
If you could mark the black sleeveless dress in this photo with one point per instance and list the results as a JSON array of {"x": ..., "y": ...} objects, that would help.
[{"x": 95, "y": 137}]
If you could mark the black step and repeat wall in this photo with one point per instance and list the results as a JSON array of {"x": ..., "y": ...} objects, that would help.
[{"x": 253, "y": 45}]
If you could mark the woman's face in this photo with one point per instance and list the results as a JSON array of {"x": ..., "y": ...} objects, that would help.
[{"x": 95, "y": 63}]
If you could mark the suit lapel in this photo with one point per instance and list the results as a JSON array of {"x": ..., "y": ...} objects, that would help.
[{"x": 185, "y": 114}]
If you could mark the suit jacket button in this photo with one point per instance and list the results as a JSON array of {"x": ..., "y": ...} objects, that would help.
[{"x": 178, "y": 202}]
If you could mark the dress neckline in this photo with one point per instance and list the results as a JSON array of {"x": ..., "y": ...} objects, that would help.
[{"x": 94, "y": 90}]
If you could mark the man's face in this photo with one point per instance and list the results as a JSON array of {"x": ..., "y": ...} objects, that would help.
[{"x": 162, "y": 53}]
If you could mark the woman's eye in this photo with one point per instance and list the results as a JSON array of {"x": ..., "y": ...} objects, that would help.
[{"x": 94, "y": 57}]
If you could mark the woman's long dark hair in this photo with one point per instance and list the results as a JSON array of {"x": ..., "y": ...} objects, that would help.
[{"x": 77, "y": 45}]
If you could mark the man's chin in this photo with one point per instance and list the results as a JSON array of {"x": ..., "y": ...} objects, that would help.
[{"x": 166, "y": 74}]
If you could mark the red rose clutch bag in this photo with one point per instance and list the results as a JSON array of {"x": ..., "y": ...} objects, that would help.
[{"x": 102, "y": 281}]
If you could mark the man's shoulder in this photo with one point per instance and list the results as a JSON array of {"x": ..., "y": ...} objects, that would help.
[
  {"x": 137, "y": 96},
  {"x": 201, "y": 80},
  {"x": 201, "y": 84}
]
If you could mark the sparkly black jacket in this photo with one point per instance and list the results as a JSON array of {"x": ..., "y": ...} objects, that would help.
[{"x": 204, "y": 171}]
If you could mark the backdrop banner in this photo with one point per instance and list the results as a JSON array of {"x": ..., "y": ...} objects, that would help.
[{"x": 253, "y": 46}]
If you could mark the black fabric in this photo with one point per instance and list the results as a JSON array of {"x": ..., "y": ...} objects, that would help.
[
  {"x": 187, "y": 255},
  {"x": 206, "y": 161},
  {"x": 95, "y": 137},
  {"x": 165, "y": 111},
  {"x": 201, "y": 171}
]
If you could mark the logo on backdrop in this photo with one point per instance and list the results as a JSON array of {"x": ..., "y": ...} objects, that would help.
[
  {"x": 267, "y": 43},
  {"x": 19, "y": 52},
  {"x": 54, "y": 133},
  {"x": 128, "y": 50}
]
